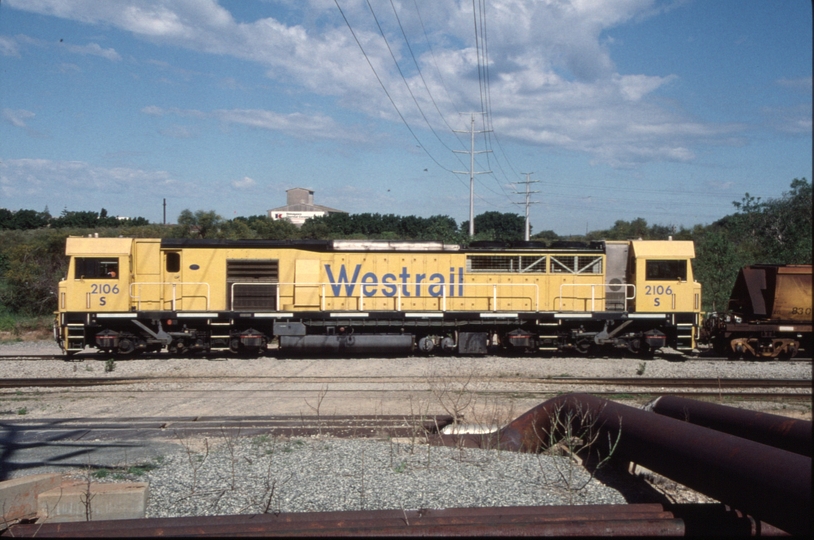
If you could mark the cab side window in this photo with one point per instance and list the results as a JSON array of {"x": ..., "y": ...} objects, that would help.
[
  {"x": 173, "y": 262},
  {"x": 666, "y": 270},
  {"x": 96, "y": 268}
]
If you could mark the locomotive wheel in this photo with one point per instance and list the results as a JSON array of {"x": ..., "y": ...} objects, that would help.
[
  {"x": 584, "y": 346},
  {"x": 126, "y": 346}
]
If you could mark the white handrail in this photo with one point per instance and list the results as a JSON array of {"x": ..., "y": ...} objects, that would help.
[
  {"x": 137, "y": 298},
  {"x": 593, "y": 292}
]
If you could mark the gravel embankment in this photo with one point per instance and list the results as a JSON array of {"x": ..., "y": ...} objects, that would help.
[{"x": 318, "y": 475}]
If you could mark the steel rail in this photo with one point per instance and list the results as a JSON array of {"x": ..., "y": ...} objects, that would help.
[
  {"x": 139, "y": 428},
  {"x": 679, "y": 382},
  {"x": 94, "y": 355}
]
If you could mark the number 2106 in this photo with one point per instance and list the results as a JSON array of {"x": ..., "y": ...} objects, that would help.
[
  {"x": 104, "y": 288},
  {"x": 657, "y": 289}
]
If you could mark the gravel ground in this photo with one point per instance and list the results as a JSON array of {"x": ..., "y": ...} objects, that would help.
[
  {"x": 266, "y": 475},
  {"x": 671, "y": 365},
  {"x": 259, "y": 474}
]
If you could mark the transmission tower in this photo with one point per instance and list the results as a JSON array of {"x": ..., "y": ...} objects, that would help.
[
  {"x": 471, "y": 172},
  {"x": 528, "y": 202}
]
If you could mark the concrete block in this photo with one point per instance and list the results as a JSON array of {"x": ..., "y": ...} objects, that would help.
[
  {"x": 18, "y": 496},
  {"x": 123, "y": 500}
]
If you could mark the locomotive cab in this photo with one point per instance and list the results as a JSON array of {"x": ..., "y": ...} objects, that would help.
[
  {"x": 98, "y": 275},
  {"x": 665, "y": 287}
]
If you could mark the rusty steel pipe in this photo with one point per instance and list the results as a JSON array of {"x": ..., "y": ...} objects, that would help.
[
  {"x": 771, "y": 484},
  {"x": 778, "y": 431}
]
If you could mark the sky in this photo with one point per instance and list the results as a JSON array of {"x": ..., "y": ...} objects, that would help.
[{"x": 618, "y": 109}]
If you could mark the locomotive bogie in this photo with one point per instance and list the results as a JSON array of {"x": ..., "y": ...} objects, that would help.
[{"x": 350, "y": 297}]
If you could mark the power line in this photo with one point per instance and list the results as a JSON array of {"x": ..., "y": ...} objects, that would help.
[
  {"x": 434, "y": 60},
  {"x": 369, "y": 63},
  {"x": 403, "y": 78},
  {"x": 420, "y": 74}
]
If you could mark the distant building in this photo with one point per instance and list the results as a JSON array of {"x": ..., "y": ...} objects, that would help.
[{"x": 300, "y": 207}]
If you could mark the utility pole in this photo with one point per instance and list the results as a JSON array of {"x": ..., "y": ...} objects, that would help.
[
  {"x": 528, "y": 202},
  {"x": 471, "y": 172},
  {"x": 165, "y": 211}
]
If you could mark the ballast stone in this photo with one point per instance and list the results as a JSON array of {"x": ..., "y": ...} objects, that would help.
[{"x": 124, "y": 500}]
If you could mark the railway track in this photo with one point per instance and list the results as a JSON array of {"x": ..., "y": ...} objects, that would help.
[
  {"x": 62, "y": 382},
  {"x": 96, "y": 356},
  {"x": 507, "y": 389},
  {"x": 142, "y": 428}
]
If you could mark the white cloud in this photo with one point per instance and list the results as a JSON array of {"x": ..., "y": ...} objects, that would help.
[
  {"x": 8, "y": 46},
  {"x": 94, "y": 49},
  {"x": 176, "y": 131},
  {"x": 294, "y": 124},
  {"x": 552, "y": 78},
  {"x": 802, "y": 84},
  {"x": 792, "y": 120},
  {"x": 78, "y": 179},
  {"x": 17, "y": 118},
  {"x": 244, "y": 183}
]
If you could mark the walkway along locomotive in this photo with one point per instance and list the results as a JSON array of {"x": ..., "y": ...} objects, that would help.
[{"x": 126, "y": 295}]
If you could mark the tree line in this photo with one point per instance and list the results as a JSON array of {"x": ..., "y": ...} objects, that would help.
[
  {"x": 776, "y": 230},
  {"x": 26, "y": 220}
]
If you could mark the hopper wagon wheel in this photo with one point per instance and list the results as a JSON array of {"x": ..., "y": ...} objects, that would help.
[
  {"x": 721, "y": 346},
  {"x": 789, "y": 352}
]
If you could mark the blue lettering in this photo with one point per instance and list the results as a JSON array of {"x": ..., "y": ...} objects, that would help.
[
  {"x": 388, "y": 290},
  {"x": 390, "y": 282},
  {"x": 405, "y": 277},
  {"x": 437, "y": 289},
  {"x": 418, "y": 279},
  {"x": 336, "y": 285},
  {"x": 370, "y": 277}
]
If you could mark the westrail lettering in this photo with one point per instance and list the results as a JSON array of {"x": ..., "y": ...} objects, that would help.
[{"x": 388, "y": 284}]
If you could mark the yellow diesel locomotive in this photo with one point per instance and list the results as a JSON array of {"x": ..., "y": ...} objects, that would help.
[{"x": 130, "y": 295}]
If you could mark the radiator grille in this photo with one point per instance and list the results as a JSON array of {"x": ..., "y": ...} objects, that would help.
[{"x": 252, "y": 284}]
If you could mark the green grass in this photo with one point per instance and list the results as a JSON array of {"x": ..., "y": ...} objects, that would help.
[
  {"x": 139, "y": 470},
  {"x": 22, "y": 410},
  {"x": 20, "y": 324},
  {"x": 101, "y": 473},
  {"x": 261, "y": 439}
]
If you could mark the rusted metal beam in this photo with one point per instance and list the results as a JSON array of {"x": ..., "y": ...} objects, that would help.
[
  {"x": 771, "y": 484},
  {"x": 778, "y": 431},
  {"x": 587, "y": 520}
]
